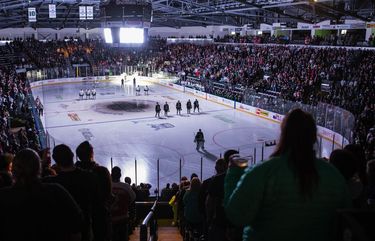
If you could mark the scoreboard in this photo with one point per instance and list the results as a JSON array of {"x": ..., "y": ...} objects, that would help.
[{"x": 126, "y": 13}]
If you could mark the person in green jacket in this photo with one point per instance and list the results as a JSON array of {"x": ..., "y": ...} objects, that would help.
[{"x": 292, "y": 196}]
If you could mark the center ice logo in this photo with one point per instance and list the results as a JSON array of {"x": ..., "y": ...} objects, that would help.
[{"x": 161, "y": 126}]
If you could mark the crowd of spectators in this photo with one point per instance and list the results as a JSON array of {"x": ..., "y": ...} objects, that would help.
[
  {"x": 94, "y": 203},
  {"x": 293, "y": 73},
  {"x": 17, "y": 126}
]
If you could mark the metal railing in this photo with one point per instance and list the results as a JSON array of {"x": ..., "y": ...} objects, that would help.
[{"x": 148, "y": 229}]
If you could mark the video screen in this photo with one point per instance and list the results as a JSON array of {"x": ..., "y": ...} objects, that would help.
[{"x": 131, "y": 35}]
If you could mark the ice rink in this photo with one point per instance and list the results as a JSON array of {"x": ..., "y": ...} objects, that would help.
[{"x": 122, "y": 126}]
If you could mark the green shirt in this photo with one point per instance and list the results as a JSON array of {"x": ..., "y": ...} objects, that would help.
[{"x": 266, "y": 200}]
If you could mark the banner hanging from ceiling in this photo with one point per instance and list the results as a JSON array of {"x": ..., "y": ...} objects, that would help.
[
  {"x": 32, "y": 14},
  {"x": 82, "y": 12},
  {"x": 52, "y": 10},
  {"x": 90, "y": 12}
]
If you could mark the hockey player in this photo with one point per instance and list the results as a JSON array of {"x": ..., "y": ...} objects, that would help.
[
  {"x": 88, "y": 93},
  {"x": 188, "y": 106},
  {"x": 122, "y": 83},
  {"x": 134, "y": 81},
  {"x": 166, "y": 109},
  {"x": 157, "y": 110},
  {"x": 178, "y": 107},
  {"x": 81, "y": 94},
  {"x": 93, "y": 93},
  {"x": 40, "y": 108},
  {"x": 146, "y": 89},
  {"x": 199, "y": 140},
  {"x": 138, "y": 91},
  {"x": 196, "y": 105}
]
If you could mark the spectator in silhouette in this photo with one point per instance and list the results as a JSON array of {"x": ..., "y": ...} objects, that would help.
[
  {"x": 132, "y": 209},
  {"x": 345, "y": 162},
  {"x": 360, "y": 163},
  {"x": 184, "y": 185},
  {"x": 166, "y": 193},
  {"x": 32, "y": 210},
  {"x": 124, "y": 197},
  {"x": 45, "y": 156},
  {"x": 217, "y": 222},
  {"x": 6, "y": 178},
  {"x": 101, "y": 223},
  {"x": 292, "y": 196},
  {"x": 192, "y": 214},
  {"x": 85, "y": 154},
  {"x": 79, "y": 183}
]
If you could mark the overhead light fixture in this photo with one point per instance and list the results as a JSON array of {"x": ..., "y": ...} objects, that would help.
[{"x": 108, "y": 36}]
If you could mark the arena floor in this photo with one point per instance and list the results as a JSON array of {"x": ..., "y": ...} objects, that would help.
[{"x": 122, "y": 126}]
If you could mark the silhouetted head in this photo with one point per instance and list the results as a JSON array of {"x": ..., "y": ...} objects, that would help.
[
  {"x": 298, "y": 130},
  {"x": 116, "y": 174},
  {"x": 193, "y": 175},
  {"x": 297, "y": 139},
  {"x": 63, "y": 156},
  {"x": 128, "y": 180},
  {"x": 195, "y": 184},
  {"x": 26, "y": 167},
  {"x": 85, "y": 152},
  {"x": 221, "y": 166},
  {"x": 345, "y": 162},
  {"x": 228, "y": 153}
]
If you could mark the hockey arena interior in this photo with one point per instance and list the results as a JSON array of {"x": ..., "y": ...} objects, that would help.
[{"x": 193, "y": 120}]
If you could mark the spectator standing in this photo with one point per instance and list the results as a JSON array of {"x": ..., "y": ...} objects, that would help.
[
  {"x": 124, "y": 197},
  {"x": 192, "y": 214},
  {"x": 101, "y": 223},
  {"x": 79, "y": 183},
  {"x": 219, "y": 225},
  {"x": 45, "y": 156}
]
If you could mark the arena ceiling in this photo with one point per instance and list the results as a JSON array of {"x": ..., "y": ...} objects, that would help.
[{"x": 178, "y": 13}]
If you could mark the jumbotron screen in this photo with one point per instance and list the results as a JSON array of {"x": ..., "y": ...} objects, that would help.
[{"x": 127, "y": 11}]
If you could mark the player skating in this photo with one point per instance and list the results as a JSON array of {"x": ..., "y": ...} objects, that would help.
[
  {"x": 81, "y": 94},
  {"x": 196, "y": 105},
  {"x": 88, "y": 93},
  {"x": 199, "y": 140},
  {"x": 146, "y": 89},
  {"x": 166, "y": 109},
  {"x": 93, "y": 93},
  {"x": 138, "y": 91},
  {"x": 178, "y": 107},
  {"x": 188, "y": 106},
  {"x": 157, "y": 110}
]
